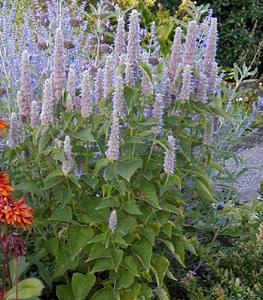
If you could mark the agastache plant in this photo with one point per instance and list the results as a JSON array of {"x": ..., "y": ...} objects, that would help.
[
  {"x": 176, "y": 53},
  {"x": 59, "y": 74},
  {"x": 119, "y": 44},
  {"x": 13, "y": 133},
  {"x": 26, "y": 92},
  {"x": 99, "y": 86},
  {"x": 210, "y": 50},
  {"x": 34, "y": 116},
  {"x": 133, "y": 48},
  {"x": 129, "y": 77},
  {"x": 113, "y": 151},
  {"x": 71, "y": 85},
  {"x": 118, "y": 99},
  {"x": 67, "y": 164},
  {"x": 47, "y": 114},
  {"x": 86, "y": 97},
  {"x": 158, "y": 114},
  {"x": 186, "y": 85},
  {"x": 113, "y": 221},
  {"x": 190, "y": 45},
  {"x": 108, "y": 75},
  {"x": 169, "y": 158},
  {"x": 213, "y": 81}
]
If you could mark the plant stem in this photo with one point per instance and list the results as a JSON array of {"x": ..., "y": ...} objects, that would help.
[{"x": 16, "y": 283}]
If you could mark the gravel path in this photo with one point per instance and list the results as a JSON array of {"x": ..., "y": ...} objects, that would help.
[{"x": 249, "y": 183}]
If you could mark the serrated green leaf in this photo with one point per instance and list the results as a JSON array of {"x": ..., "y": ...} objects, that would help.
[
  {"x": 73, "y": 178},
  {"x": 203, "y": 190},
  {"x": 65, "y": 292},
  {"x": 102, "y": 265},
  {"x": 162, "y": 294},
  {"x": 103, "y": 295},
  {"x": 64, "y": 262},
  {"x": 149, "y": 194},
  {"x": 116, "y": 255},
  {"x": 132, "y": 208},
  {"x": 128, "y": 166},
  {"x": 129, "y": 263},
  {"x": 63, "y": 214},
  {"x": 82, "y": 284},
  {"x": 125, "y": 280},
  {"x": 43, "y": 141},
  {"x": 160, "y": 266},
  {"x": 143, "y": 249},
  {"x": 146, "y": 70},
  {"x": 78, "y": 238},
  {"x": 30, "y": 187}
]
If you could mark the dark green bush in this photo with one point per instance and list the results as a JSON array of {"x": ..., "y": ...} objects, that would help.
[{"x": 240, "y": 31}]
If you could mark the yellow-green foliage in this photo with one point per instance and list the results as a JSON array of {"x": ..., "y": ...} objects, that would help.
[
  {"x": 181, "y": 13},
  {"x": 127, "y": 3}
]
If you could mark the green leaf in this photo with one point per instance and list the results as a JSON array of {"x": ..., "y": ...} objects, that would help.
[
  {"x": 186, "y": 147},
  {"x": 27, "y": 288},
  {"x": 60, "y": 156},
  {"x": 170, "y": 247},
  {"x": 65, "y": 292},
  {"x": 116, "y": 256},
  {"x": 125, "y": 280},
  {"x": 103, "y": 295},
  {"x": 67, "y": 117},
  {"x": 30, "y": 187},
  {"x": 63, "y": 214},
  {"x": 64, "y": 262},
  {"x": 135, "y": 288},
  {"x": 129, "y": 263},
  {"x": 147, "y": 193},
  {"x": 162, "y": 294},
  {"x": 102, "y": 265},
  {"x": 74, "y": 179},
  {"x": 203, "y": 190},
  {"x": 160, "y": 266},
  {"x": 128, "y": 166},
  {"x": 132, "y": 208},
  {"x": 21, "y": 267},
  {"x": 99, "y": 251},
  {"x": 43, "y": 141},
  {"x": 131, "y": 96},
  {"x": 55, "y": 174},
  {"x": 82, "y": 284},
  {"x": 179, "y": 249},
  {"x": 112, "y": 202},
  {"x": 103, "y": 162},
  {"x": 143, "y": 249},
  {"x": 149, "y": 233},
  {"x": 92, "y": 182},
  {"x": 42, "y": 272},
  {"x": 52, "y": 246},
  {"x": 146, "y": 70},
  {"x": 84, "y": 134},
  {"x": 78, "y": 238}
]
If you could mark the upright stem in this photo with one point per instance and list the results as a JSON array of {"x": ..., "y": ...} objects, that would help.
[{"x": 16, "y": 282}]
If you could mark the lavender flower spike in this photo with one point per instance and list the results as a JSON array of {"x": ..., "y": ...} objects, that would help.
[
  {"x": 202, "y": 88},
  {"x": 108, "y": 75},
  {"x": 34, "y": 116},
  {"x": 99, "y": 86},
  {"x": 13, "y": 132},
  {"x": 86, "y": 98},
  {"x": 69, "y": 103},
  {"x": 113, "y": 221},
  {"x": 190, "y": 45},
  {"x": 67, "y": 164},
  {"x": 47, "y": 115},
  {"x": 118, "y": 99},
  {"x": 146, "y": 86},
  {"x": 169, "y": 158},
  {"x": 210, "y": 50},
  {"x": 113, "y": 151},
  {"x": 22, "y": 107},
  {"x": 212, "y": 85},
  {"x": 186, "y": 86},
  {"x": 26, "y": 84},
  {"x": 59, "y": 74},
  {"x": 208, "y": 136},
  {"x": 158, "y": 113},
  {"x": 119, "y": 43},
  {"x": 129, "y": 77},
  {"x": 133, "y": 48},
  {"x": 71, "y": 85},
  {"x": 176, "y": 53}
]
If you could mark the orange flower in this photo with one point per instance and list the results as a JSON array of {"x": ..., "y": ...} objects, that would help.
[
  {"x": 3, "y": 126},
  {"x": 16, "y": 213},
  {"x": 4, "y": 294},
  {"x": 5, "y": 189}
]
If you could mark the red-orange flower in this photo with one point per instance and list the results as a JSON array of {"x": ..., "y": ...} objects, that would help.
[
  {"x": 3, "y": 126},
  {"x": 5, "y": 189},
  {"x": 4, "y": 294},
  {"x": 15, "y": 212}
]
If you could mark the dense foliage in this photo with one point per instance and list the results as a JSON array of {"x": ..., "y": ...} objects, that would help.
[{"x": 122, "y": 153}]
